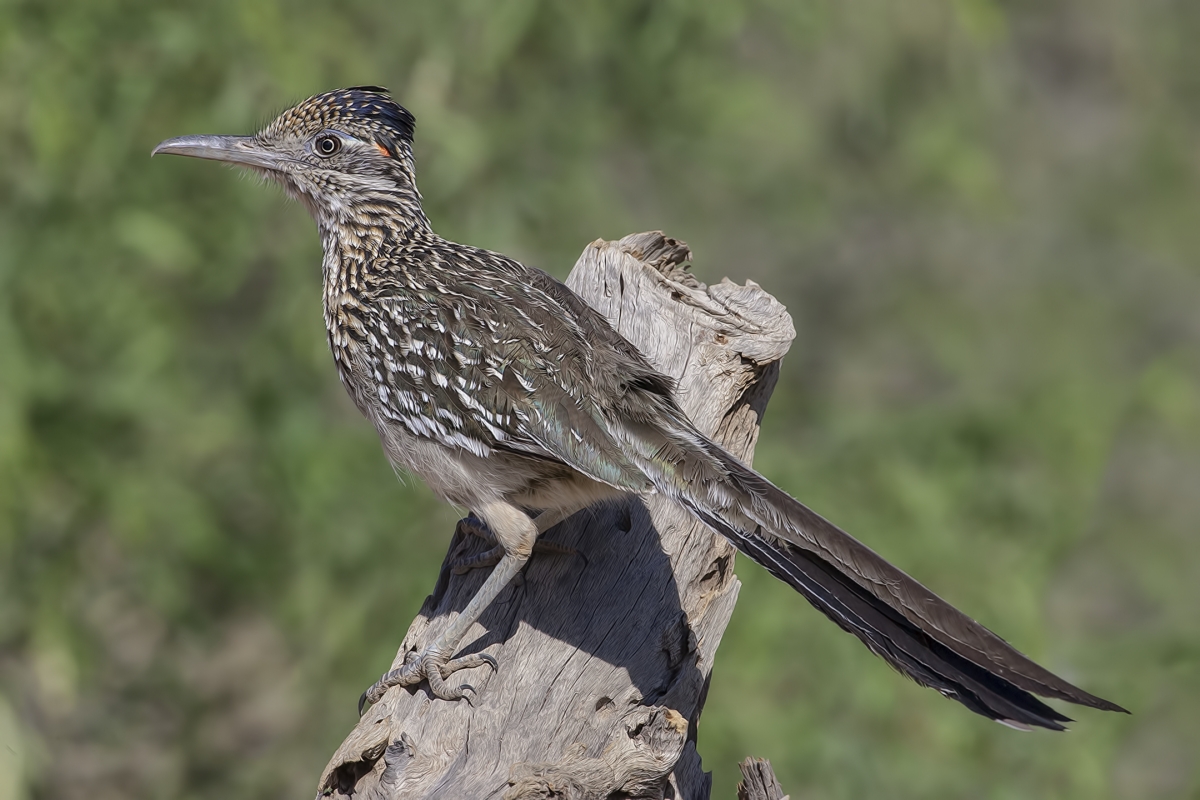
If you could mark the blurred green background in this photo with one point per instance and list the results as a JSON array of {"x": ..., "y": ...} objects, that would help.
[{"x": 984, "y": 217}]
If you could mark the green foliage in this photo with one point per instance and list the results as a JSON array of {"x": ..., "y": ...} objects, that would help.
[{"x": 982, "y": 215}]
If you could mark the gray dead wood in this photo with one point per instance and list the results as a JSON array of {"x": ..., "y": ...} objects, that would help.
[
  {"x": 759, "y": 781},
  {"x": 605, "y": 655}
]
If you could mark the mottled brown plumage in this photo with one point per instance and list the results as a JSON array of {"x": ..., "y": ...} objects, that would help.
[{"x": 503, "y": 391}]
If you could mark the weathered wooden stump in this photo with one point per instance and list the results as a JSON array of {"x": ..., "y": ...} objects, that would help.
[
  {"x": 605, "y": 654},
  {"x": 759, "y": 781}
]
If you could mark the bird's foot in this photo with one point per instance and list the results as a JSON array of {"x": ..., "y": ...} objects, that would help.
[
  {"x": 474, "y": 526},
  {"x": 488, "y": 558},
  {"x": 491, "y": 557},
  {"x": 431, "y": 665}
]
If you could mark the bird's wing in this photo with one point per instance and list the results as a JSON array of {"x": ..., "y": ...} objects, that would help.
[{"x": 471, "y": 367}]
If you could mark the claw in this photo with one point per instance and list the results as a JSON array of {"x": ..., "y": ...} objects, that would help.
[
  {"x": 488, "y": 558},
  {"x": 432, "y": 667},
  {"x": 491, "y": 557},
  {"x": 474, "y": 526},
  {"x": 483, "y": 658}
]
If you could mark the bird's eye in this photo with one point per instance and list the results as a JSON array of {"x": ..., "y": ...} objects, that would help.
[{"x": 327, "y": 145}]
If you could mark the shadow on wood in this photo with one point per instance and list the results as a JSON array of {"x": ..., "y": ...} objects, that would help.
[{"x": 605, "y": 654}]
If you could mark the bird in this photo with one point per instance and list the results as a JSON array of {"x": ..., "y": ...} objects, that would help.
[{"x": 509, "y": 396}]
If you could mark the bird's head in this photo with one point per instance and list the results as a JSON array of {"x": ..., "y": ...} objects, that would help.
[{"x": 342, "y": 153}]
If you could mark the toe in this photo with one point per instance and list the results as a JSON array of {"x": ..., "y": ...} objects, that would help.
[
  {"x": 488, "y": 558},
  {"x": 474, "y": 526}
]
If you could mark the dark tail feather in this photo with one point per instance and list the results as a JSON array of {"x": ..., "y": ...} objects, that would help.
[
  {"x": 900, "y": 620},
  {"x": 891, "y": 637}
]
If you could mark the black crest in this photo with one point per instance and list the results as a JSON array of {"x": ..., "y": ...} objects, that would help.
[
  {"x": 365, "y": 111},
  {"x": 375, "y": 106}
]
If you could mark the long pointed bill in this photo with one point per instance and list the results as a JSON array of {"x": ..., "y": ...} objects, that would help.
[{"x": 231, "y": 149}]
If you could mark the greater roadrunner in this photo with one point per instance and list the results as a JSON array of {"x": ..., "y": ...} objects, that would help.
[{"x": 504, "y": 392}]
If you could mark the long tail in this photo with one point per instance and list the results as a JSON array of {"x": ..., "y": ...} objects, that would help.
[{"x": 900, "y": 620}]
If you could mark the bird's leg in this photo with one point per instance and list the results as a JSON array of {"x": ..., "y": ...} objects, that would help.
[
  {"x": 516, "y": 533},
  {"x": 552, "y": 516},
  {"x": 489, "y": 558}
]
